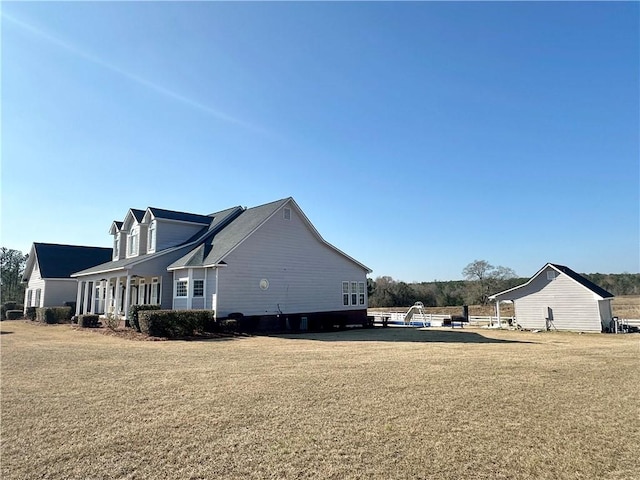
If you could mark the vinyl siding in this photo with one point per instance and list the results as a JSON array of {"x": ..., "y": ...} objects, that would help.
[
  {"x": 59, "y": 291},
  {"x": 170, "y": 234},
  {"x": 574, "y": 307},
  {"x": 304, "y": 274},
  {"x": 36, "y": 282}
]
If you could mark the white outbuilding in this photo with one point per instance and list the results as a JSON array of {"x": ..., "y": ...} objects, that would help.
[{"x": 557, "y": 298}]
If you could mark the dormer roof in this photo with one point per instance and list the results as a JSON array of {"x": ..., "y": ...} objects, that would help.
[{"x": 160, "y": 213}]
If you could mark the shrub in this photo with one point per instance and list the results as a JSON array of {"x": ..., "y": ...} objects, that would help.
[
  {"x": 112, "y": 320},
  {"x": 72, "y": 305},
  {"x": 30, "y": 313},
  {"x": 173, "y": 323},
  {"x": 14, "y": 314},
  {"x": 5, "y": 307},
  {"x": 133, "y": 314},
  {"x": 88, "y": 321},
  {"x": 53, "y": 314},
  {"x": 228, "y": 325}
]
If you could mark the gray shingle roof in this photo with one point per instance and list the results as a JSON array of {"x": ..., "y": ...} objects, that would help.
[
  {"x": 180, "y": 216},
  {"x": 567, "y": 271},
  {"x": 217, "y": 220},
  {"x": 60, "y": 261},
  {"x": 215, "y": 248},
  {"x": 137, "y": 214}
]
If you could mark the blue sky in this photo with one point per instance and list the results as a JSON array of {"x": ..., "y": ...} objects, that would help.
[{"x": 416, "y": 136}]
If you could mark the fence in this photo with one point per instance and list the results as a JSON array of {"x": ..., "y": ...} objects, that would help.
[{"x": 431, "y": 320}]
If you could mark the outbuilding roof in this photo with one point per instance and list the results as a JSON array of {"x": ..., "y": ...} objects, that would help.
[{"x": 601, "y": 292}]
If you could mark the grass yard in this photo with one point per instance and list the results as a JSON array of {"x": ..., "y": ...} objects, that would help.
[{"x": 375, "y": 404}]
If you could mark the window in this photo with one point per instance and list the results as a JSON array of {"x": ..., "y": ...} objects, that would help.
[
  {"x": 133, "y": 242},
  {"x": 353, "y": 293},
  {"x": 198, "y": 288},
  {"x": 181, "y": 288},
  {"x": 116, "y": 246},
  {"x": 155, "y": 292},
  {"x": 345, "y": 293},
  {"x": 361, "y": 295},
  {"x": 287, "y": 214},
  {"x": 29, "y": 295},
  {"x": 151, "y": 241},
  {"x": 38, "y": 293}
]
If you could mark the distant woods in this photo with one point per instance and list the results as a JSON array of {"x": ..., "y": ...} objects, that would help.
[
  {"x": 481, "y": 280},
  {"x": 12, "y": 263}
]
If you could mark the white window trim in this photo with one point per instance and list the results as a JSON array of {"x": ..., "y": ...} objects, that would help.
[
  {"x": 151, "y": 237},
  {"x": 194, "y": 288},
  {"x": 184, "y": 280}
]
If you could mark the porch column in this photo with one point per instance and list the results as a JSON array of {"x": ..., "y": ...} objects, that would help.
[
  {"x": 498, "y": 313},
  {"x": 190, "y": 289},
  {"x": 127, "y": 298},
  {"x": 116, "y": 291},
  {"x": 107, "y": 298},
  {"x": 85, "y": 301},
  {"x": 79, "y": 297}
]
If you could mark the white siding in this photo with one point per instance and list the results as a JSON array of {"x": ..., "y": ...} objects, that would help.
[
  {"x": 170, "y": 234},
  {"x": 142, "y": 239},
  {"x": 574, "y": 307},
  {"x": 304, "y": 274},
  {"x": 36, "y": 282},
  {"x": 53, "y": 291}
]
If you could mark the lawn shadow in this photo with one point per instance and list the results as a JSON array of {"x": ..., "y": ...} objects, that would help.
[
  {"x": 398, "y": 335},
  {"x": 5, "y": 333}
]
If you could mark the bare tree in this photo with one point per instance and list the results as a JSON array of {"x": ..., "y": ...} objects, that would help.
[{"x": 485, "y": 277}]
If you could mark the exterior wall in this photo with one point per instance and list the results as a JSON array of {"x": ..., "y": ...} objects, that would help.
[
  {"x": 59, "y": 291},
  {"x": 142, "y": 239},
  {"x": 170, "y": 234},
  {"x": 191, "y": 302},
  {"x": 122, "y": 247},
  {"x": 573, "y": 306},
  {"x": 304, "y": 274},
  {"x": 35, "y": 282},
  {"x": 54, "y": 292}
]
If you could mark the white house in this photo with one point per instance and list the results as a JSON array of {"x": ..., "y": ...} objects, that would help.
[
  {"x": 268, "y": 263},
  {"x": 48, "y": 272},
  {"x": 557, "y": 298}
]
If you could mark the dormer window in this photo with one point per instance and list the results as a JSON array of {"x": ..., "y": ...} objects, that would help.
[
  {"x": 133, "y": 243},
  {"x": 151, "y": 239},
  {"x": 116, "y": 246}
]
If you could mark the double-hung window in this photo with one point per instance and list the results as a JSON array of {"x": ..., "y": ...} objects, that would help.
[
  {"x": 198, "y": 288},
  {"x": 353, "y": 293},
  {"x": 151, "y": 241},
  {"x": 182, "y": 288},
  {"x": 133, "y": 243}
]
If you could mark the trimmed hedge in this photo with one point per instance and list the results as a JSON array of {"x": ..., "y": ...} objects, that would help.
[
  {"x": 174, "y": 323},
  {"x": 88, "y": 321},
  {"x": 5, "y": 307},
  {"x": 133, "y": 314},
  {"x": 54, "y": 314},
  {"x": 30, "y": 313},
  {"x": 14, "y": 314}
]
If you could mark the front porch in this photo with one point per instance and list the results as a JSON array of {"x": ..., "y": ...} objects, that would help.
[{"x": 115, "y": 295}]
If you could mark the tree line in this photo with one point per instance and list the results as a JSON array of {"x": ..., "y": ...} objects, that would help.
[
  {"x": 12, "y": 263},
  {"x": 481, "y": 280}
]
